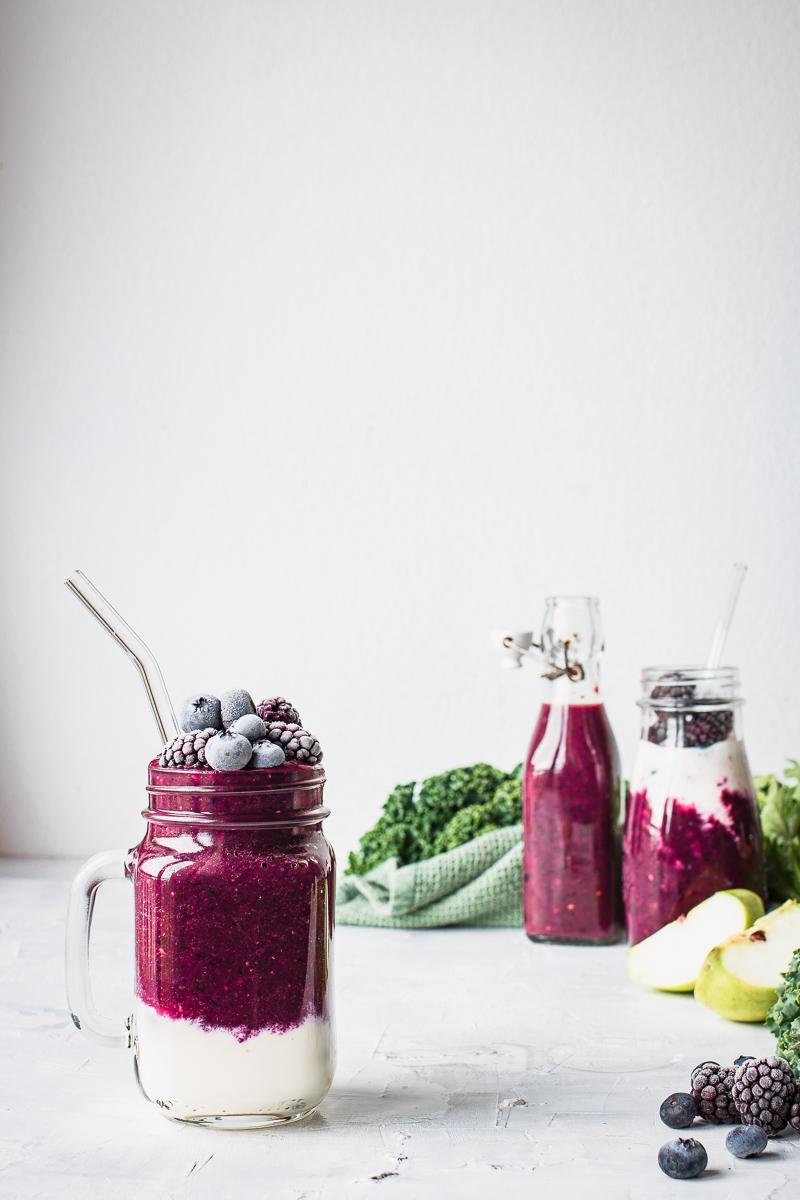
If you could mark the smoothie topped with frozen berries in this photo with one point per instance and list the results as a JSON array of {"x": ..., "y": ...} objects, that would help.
[
  {"x": 241, "y": 916},
  {"x": 691, "y": 824},
  {"x": 231, "y": 732}
]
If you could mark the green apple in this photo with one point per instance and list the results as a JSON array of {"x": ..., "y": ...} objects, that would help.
[
  {"x": 671, "y": 958},
  {"x": 740, "y": 978}
]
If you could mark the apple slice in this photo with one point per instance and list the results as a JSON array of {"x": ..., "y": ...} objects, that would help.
[
  {"x": 670, "y": 959},
  {"x": 740, "y": 978}
]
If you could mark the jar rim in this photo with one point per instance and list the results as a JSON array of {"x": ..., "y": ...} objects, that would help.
[
  {"x": 207, "y": 820},
  {"x": 289, "y": 795},
  {"x": 253, "y": 781},
  {"x": 690, "y": 673},
  {"x": 722, "y": 680}
]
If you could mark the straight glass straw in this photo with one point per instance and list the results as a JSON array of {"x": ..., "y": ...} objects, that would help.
[
  {"x": 726, "y": 616},
  {"x": 139, "y": 653}
]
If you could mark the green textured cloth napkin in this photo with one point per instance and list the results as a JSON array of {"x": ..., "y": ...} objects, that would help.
[{"x": 479, "y": 883}]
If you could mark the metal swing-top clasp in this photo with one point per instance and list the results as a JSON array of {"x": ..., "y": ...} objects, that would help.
[
  {"x": 574, "y": 671},
  {"x": 516, "y": 649},
  {"x": 569, "y": 644}
]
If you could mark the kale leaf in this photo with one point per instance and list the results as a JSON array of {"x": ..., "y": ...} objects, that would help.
[
  {"x": 783, "y": 1019},
  {"x": 779, "y": 807},
  {"x": 440, "y": 813}
]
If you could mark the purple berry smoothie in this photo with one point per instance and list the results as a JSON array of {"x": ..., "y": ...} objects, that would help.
[
  {"x": 234, "y": 910},
  {"x": 691, "y": 826},
  {"x": 674, "y": 862},
  {"x": 570, "y": 813}
]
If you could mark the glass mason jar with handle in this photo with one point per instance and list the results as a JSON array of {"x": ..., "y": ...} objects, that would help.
[
  {"x": 571, "y": 789},
  {"x": 692, "y": 824},
  {"x": 233, "y": 891}
]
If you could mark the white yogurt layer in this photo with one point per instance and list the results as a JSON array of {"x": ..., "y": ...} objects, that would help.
[
  {"x": 690, "y": 775},
  {"x": 189, "y": 1071}
]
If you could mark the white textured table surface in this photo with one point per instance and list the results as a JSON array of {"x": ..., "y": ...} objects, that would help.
[{"x": 471, "y": 1063}]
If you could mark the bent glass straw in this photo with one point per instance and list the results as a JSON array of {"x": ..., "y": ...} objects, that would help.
[
  {"x": 140, "y": 654},
  {"x": 726, "y": 616}
]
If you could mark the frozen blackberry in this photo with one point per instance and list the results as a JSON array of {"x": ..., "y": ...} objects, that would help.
[
  {"x": 695, "y": 730},
  {"x": 711, "y": 1088},
  {"x": 763, "y": 1091},
  {"x": 278, "y": 708},
  {"x": 683, "y": 693},
  {"x": 701, "y": 729},
  {"x": 691, "y": 729},
  {"x": 669, "y": 687},
  {"x": 187, "y": 749},
  {"x": 794, "y": 1112},
  {"x": 297, "y": 743}
]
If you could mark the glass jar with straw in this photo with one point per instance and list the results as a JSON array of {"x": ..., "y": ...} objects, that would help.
[
  {"x": 691, "y": 825},
  {"x": 233, "y": 891}
]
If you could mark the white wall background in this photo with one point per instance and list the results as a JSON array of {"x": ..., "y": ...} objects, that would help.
[{"x": 336, "y": 333}]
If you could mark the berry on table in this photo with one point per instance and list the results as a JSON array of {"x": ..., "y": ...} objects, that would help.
[
  {"x": 201, "y": 712},
  {"x": 187, "y": 749},
  {"x": 763, "y": 1092},
  {"x": 236, "y": 702},
  {"x": 745, "y": 1141},
  {"x": 267, "y": 754},
  {"x": 794, "y": 1111},
  {"x": 249, "y": 726},
  {"x": 684, "y": 1158},
  {"x": 297, "y": 744},
  {"x": 278, "y": 708},
  {"x": 678, "y": 1110},
  {"x": 228, "y": 751},
  {"x": 711, "y": 1088}
]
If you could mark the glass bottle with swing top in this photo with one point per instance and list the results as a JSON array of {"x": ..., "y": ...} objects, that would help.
[{"x": 571, "y": 789}]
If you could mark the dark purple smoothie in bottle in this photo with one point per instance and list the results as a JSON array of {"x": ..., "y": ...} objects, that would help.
[{"x": 571, "y": 785}]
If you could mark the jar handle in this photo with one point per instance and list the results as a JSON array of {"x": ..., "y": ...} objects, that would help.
[{"x": 110, "y": 864}]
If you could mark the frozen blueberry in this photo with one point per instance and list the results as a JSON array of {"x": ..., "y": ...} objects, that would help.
[
  {"x": 743, "y": 1058},
  {"x": 236, "y": 703},
  {"x": 250, "y": 726},
  {"x": 746, "y": 1140},
  {"x": 678, "y": 1110},
  {"x": 267, "y": 754},
  {"x": 683, "y": 1159},
  {"x": 201, "y": 712},
  {"x": 228, "y": 751}
]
